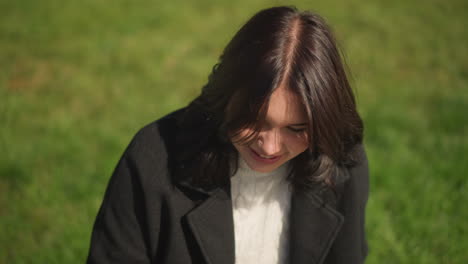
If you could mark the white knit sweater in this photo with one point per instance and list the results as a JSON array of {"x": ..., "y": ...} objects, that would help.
[{"x": 261, "y": 203}]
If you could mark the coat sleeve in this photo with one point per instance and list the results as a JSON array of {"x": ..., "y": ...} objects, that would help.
[
  {"x": 120, "y": 233},
  {"x": 350, "y": 246}
]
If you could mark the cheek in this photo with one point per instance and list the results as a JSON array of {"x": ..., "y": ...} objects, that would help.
[{"x": 297, "y": 144}]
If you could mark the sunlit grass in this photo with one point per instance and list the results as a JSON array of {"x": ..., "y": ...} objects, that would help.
[{"x": 78, "y": 79}]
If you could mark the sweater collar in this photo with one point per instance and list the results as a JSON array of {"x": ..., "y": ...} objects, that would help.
[{"x": 245, "y": 172}]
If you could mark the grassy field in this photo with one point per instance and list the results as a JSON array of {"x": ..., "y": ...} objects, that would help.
[{"x": 79, "y": 78}]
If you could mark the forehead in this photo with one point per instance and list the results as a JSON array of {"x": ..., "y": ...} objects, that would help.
[{"x": 285, "y": 108}]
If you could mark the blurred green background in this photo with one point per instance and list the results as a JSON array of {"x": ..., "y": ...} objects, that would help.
[{"x": 79, "y": 78}]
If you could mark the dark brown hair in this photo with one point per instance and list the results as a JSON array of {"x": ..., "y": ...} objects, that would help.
[{"x": 277, "y": 46}]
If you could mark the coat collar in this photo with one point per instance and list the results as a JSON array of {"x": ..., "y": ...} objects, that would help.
[
  {"x": 211, "y": 223},
  {"x": 314, "y": 225}
]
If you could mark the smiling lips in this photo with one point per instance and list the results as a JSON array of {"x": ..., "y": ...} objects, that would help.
[{"x": 262, "y": 158}]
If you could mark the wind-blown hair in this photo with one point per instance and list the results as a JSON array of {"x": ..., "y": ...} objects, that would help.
[{"x": 279, "y": 46}]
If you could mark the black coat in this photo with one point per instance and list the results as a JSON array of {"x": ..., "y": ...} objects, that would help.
[{"x": 147, "y": 216}]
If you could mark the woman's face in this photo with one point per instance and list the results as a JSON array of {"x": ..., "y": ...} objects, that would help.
[{"x": 282, "y": 137}]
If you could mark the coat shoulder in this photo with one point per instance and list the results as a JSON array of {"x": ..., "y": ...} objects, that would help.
[
  {"x": 351, "y": 244},
  {"x": 151, "y": 149},
  {"x": 358, "y": 180},
  {"x": 158, "y": 132}
]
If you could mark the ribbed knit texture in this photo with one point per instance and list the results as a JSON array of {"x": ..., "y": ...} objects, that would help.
[{"x": 261, "y": 204}]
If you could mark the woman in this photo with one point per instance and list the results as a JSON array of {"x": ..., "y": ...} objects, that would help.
[{"x": 265, "y": 166}]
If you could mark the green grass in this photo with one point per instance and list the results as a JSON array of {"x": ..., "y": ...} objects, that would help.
[{"x": 78, "y": 79}]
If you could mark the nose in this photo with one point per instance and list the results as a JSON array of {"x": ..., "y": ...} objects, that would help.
[{"x": 269, "y": 142}]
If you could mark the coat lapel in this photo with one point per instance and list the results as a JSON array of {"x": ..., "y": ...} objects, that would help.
[
  {"x": 313, "y": 226},
  {"x": 212, "y": 226}
]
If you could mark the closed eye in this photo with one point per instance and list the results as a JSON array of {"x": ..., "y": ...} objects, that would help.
[{"x": 297, "y": 129}]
